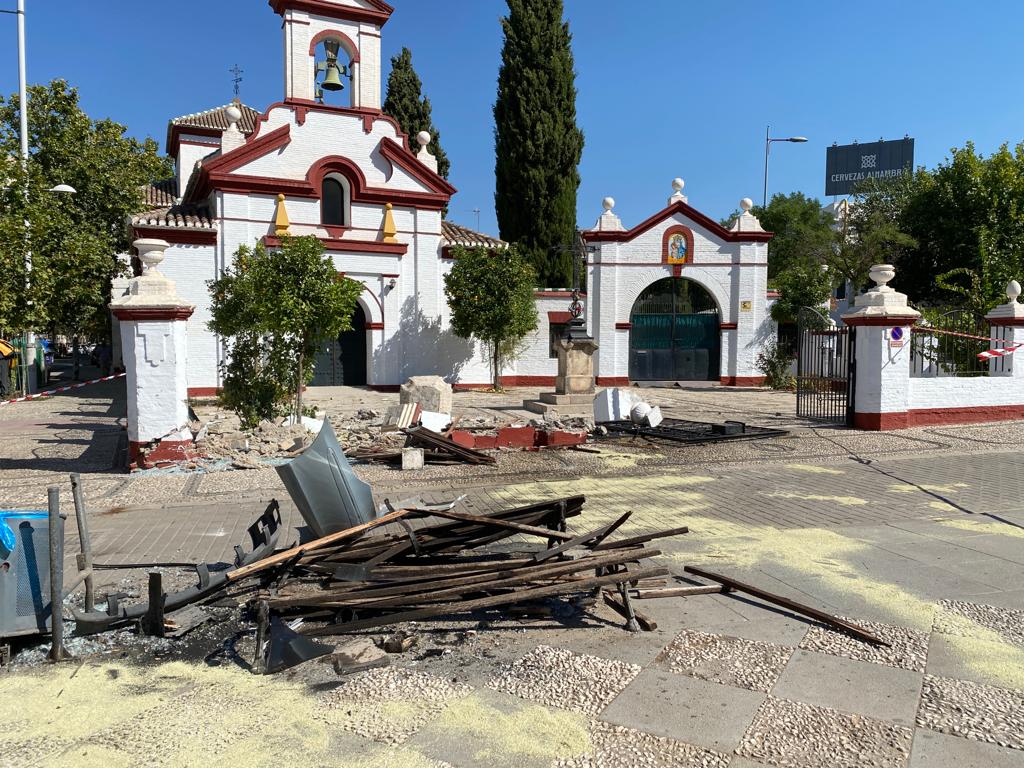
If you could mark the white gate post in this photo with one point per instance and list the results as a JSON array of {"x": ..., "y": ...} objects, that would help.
[
  {"x": 1006, "y": 323},
  {"x": 153, "y": 340},
  {"x": 882, "y": 320}
]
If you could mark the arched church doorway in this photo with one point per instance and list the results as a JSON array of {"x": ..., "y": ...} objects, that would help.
[
  {"x": 342, "y": 361},
  {"x": 674, "y": 333}
]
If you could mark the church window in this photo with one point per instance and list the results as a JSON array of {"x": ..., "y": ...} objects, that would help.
[{"x": 335, "y": 202}]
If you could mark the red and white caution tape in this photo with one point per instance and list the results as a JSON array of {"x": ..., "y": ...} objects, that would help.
[
  {"x": 994, "y": 353},
  {"x": 58, "y": 390},
  {"x": 986, "y": 355}
]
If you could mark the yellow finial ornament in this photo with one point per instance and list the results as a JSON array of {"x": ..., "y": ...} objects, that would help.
[
  {"x": 390, "y": 230},
  {"x": 281, "y": 222}
]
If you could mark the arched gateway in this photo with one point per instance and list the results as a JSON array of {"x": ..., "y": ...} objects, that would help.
[{"x": 674, "y": 333}]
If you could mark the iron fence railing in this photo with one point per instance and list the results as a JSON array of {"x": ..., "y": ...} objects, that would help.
[{"x": 948, "y": 344}]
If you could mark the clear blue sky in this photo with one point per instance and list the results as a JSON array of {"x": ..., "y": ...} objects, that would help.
[{"x": 666, "y": 87}]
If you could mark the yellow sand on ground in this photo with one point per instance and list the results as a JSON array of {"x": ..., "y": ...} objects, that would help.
[
  {"x": 975, "y": 525},
  {"x": 815, "y": 469},
  {"x": 618, "y": 460},
  {"x": 904, "y": 488},
  {"x": 942, "y": 506},
  {"x": 529, "y": 731}
]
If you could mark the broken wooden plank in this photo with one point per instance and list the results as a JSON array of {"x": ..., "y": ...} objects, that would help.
[
  {"x": 643, "y": 538},
  {"x": 576, "y": 541},
  {"x": 304, "y": 549},
  {"x": 466, "y": 606},
  {"x": 825, "y": 618},
  {"x": 651, "y": 594},
  {"x": 427, "y": 438},
  {"x": 547, "y": 533}
]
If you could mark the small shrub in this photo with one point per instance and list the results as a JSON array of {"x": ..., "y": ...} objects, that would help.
[{"x": 774, "y": 362}]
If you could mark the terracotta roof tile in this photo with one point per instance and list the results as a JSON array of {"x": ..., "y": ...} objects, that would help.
[
  {"x": 217, "y": 118},
  {"x": 187, "y": 216},
  {"x": 161, "y": 194},
  {"x": 455, "y": 234}
]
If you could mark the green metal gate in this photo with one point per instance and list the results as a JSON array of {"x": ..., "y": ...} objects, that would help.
[{"x": 675, "y": 333}]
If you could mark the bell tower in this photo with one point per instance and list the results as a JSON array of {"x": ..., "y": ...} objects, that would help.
[{"x": 333, "y": 42}]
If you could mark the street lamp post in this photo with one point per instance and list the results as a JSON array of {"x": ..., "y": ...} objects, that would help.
[{"x": 767, "y": 151}]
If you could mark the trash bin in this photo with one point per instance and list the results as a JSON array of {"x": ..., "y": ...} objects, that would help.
[{"x": 24, "y": 572}]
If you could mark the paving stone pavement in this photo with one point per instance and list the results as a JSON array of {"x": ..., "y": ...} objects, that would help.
[{"x": 924, "y": 548}]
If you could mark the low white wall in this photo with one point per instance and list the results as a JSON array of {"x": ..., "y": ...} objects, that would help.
[{"x": 964, "y": 392}]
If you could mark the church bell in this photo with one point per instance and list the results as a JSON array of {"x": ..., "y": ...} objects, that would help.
[{"x": 332, "y": 71}]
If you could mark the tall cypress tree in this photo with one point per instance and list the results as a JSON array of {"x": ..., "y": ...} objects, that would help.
[
  {"x": 405, "y": 102},
  {"x": 537, "y": 142}
]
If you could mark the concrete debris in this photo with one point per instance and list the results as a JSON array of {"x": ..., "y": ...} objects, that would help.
[
  {"x": 431, "y": 393},
  {"x": 412, "y": 459}
]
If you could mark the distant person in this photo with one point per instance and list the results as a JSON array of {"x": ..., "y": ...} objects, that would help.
[
  {"x": 7, "y": 357},
  {"x": 104, "y": 355}
]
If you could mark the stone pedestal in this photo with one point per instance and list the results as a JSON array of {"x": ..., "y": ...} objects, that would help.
[
  {"x": 883, "y": 320},
  {"x": 574, "y": 385},
  {"x": 153, "y": 344}
]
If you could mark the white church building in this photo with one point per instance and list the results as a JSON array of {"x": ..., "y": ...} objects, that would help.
[{"x": 677, "y": 297}]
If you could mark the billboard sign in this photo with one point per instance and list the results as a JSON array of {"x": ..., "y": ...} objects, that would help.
[{"x": 848, "y": 165}]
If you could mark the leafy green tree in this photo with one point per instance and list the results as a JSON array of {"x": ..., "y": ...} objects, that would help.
[
  {"x": 406, "y": 103},
  {"x": 272, "y": 306},
  {"x": 73, "y": 239},
  {"x": 800, "y": 285},
  {"x": 964, "y": 217},
  {"x": 538, "y": 145},
  {"x": 868, "y": 236},
  {"x": 490, "y": 294},
  {"x": 803, "y": 231}
]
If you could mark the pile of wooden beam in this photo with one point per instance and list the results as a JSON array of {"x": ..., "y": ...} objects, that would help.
[{"x": 421, "y": 568}]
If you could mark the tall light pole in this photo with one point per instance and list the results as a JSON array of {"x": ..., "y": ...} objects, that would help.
[{"x": 767, "y": 150}]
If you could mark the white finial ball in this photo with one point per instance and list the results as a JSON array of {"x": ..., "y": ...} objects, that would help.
[
  {"x": 678, "y": 184},
  {"x": 1013, "y": 290},
  {"x": 233, "y": 113},
  {"x": 746, "y": 204},
  {"x": 424, "y": 138},
  {"x": 608, "y": 203}
]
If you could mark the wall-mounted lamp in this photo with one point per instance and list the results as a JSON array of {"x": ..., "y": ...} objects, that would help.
[{"x": 392, "y": 283}]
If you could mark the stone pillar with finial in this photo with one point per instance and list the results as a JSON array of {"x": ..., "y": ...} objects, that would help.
[
  {"x": 153, "y": 321},
  {"x": 425, "y": 156},
  {"x": 882, "y": 320},
  {"x": 232, "y": 138},
  {"x": 1006, "y": 324}
]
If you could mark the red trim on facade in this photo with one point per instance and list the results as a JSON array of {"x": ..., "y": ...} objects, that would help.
[
  {"x": 374, "y": 326},
  {"x": 892, "y": 321},
  {"x": 387, "y": 276},
  {"x": 346, "y": 42},
  {"x": 512, "y": 381},
  {"x": 261, "y": 185},
  {"x": 368, "y": 116},
  {"x": 595, "y": 236},
  {"x": 559, "y": 318},
  {"x": 612, "y": 381},
  {"x": 203, "y": 391},
  {"x": 742, "y": 381},
  {"x": 555, "y": 294},
  {"x": 253, "y": 149},
  {"x": 623, "y": 326},
  {"x": 362, "y": 192},
  {"x": 300, "y": 115},
  {"x": 1006, "y": 321},
  {"x": 929, "y": 417},
  {"x": 175, "y": 132},
  {"x": 378, "y": 14},
  {"x": 728, "y": 326},
  {"x": 402, "y": 156},
  {"x": 677, "y": 270},
  {"x": 348, "y": 246},
  {"x": 153, "y": 313},
  {"x": 178, "y": 235}
]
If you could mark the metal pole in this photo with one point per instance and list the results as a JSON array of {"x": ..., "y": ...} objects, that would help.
[
  {"x": 28, "y": 384},
  {"x": 84, "y": 540},
  {"x": 56, "y": 533},
  {"x": 767, "y": 147}
]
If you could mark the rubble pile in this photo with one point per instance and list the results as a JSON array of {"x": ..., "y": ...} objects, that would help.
[{"x": 224, "y": 438}]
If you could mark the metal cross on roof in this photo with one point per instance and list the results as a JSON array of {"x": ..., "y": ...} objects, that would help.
[{"x": 237, "y": 71}]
